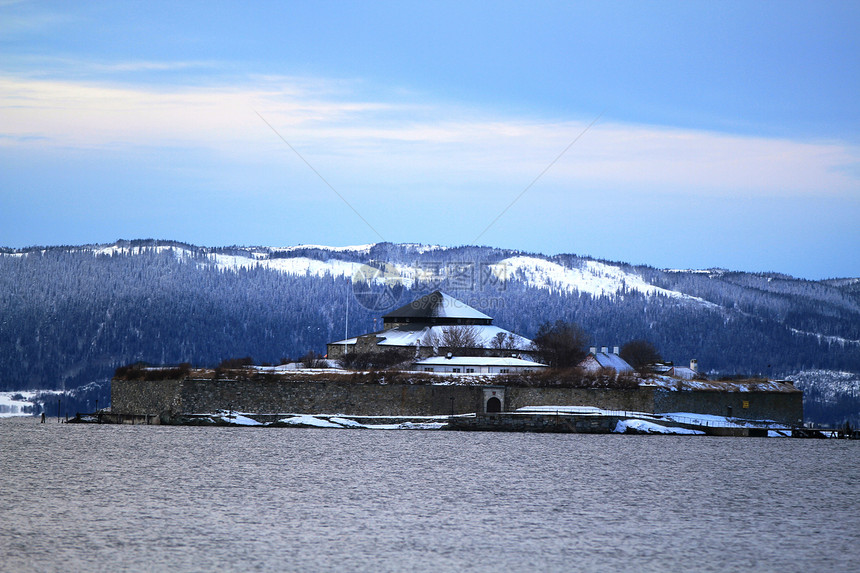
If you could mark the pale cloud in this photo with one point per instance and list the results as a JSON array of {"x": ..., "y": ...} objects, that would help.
[
  {"x": 148, "y": 66},
  {"x": 32, "y": 19},
  {"x": 412, "y": 141}
]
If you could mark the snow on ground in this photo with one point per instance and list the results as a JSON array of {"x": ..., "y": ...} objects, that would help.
[
  {"x": 564, "y": 410},
  {"x": 690, "y": 418},
  {"x": 422, "y": 425},
  {"x": 651, "y": 428},
  {"x": 13, "y": 407},
  {"x": 719, "y": 421},
  {"x": 297, "y": 367},
  {"x": 408, "y": 426},
  {"x": 240, "y": 420},
  {"x": 305, "y": 420},
  {"x": 670, "y": 383},
  {"x": 345, "y": 422}
]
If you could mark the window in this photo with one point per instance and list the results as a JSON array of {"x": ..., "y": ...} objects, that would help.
[
  {"x": 503, "y": 370},
  {"x": 455, "y": 370},
  {"x": 470, "y": 370},
  {"x": 428, "y": 369}
]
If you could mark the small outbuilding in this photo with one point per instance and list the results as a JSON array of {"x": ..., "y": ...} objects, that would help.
[{"x": 605, "y": 360}]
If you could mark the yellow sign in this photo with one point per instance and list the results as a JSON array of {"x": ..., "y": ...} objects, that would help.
[{"x": 746, "y": 403}]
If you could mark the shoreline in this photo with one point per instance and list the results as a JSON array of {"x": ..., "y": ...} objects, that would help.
[{"x": 541, "y": 419}]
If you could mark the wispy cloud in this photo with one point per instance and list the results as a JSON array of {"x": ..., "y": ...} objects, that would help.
[
  {"x": 27, "y": 17},
  {"x": 411, "y": 139}
]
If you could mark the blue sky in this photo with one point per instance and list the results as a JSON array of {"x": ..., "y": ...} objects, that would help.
[{"x": 727, "y": 134}]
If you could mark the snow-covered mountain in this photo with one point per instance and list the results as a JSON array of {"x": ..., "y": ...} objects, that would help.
[
  {"x": 829, "y": 397},
  {"x": 591, "y": 277},
  {"x": 73, "y": 314}
]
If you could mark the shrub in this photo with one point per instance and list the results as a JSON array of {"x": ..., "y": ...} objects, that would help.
[
  {"x": 373, "y": 360},
  {"x": 232, "y": 363}
]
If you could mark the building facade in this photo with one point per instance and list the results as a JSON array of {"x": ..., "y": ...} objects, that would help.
[{"x": 434, "y": 325}]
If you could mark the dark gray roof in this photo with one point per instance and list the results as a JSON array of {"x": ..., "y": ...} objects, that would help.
[{"x": 437, "y": 305}]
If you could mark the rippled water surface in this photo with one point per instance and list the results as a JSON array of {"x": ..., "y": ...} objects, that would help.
[{"x": 154, "y": 498}]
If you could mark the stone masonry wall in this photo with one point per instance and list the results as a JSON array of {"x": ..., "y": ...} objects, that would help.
[
  {"x": 145, "y": 396},
  {"x": 327, "y": 397},
  {"x": 785, "y": 407},
  {"x": 274, "y": 396},
  {"x": 636, "y": 400}
]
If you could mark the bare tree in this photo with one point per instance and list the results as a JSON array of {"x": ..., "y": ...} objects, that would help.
[
  {"x": 313, "y": 360},
  {"x": 504, "y": 341},
  {"x": 498, "y": 341},
  {"x": 460, "y": 337},
  {"x": 457, "y": 339},
  {"x": 640, "y": 354}
]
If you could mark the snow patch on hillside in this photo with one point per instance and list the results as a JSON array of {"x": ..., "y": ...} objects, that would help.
[
  {"x": 293, "y": 266},
  {"x": 347, "y": 249},
  {"x": 113, "y": 250},
  {"x": 825, "y": 338},
  {"x": 830, "y": 384},
  {"x": 593, "y": 278}
]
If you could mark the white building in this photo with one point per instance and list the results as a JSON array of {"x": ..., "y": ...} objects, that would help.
[
  {"x": 605, "y": 360},
  {"x": 419, "y": 328},
  {"x": 476, "y": 365}
]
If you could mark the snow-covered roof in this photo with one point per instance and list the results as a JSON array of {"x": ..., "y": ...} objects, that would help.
[
  {"x": 478, "y": 361},
  {"x": 684, "y": 372},
  {"x": 437, "y": 305},
  {"x": 418, "y": 335},
  {"x": 607, "y": 360}
]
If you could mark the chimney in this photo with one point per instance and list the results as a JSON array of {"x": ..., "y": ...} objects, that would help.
[
  {"x": 615, "y": 350},
  {"x": 604, "y": 349},
  {"x": 593, "y": 350},
  {"x": 694, "y": 365}
]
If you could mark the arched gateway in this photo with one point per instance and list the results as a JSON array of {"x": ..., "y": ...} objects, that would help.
[{"x": 494, "y": 399}]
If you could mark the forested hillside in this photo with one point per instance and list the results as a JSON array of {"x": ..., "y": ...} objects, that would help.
[{"x": 71, "y": 315}]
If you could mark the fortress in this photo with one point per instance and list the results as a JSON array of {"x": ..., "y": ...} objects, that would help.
[
  {"x": 318, "y": 392},
  {"x": 421, "y": 329}
]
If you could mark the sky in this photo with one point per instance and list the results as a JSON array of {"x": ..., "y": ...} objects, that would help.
[{"x": 673, "y": 134}]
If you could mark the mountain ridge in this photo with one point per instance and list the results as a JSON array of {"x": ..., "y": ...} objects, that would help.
[{"x": 73, "y": 313}]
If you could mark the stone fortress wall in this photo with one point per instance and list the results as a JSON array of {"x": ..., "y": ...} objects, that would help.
[{"x": 317, "y": 395}]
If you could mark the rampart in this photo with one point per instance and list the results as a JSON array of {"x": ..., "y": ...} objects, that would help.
[
  {"x": 321, "y": 395},
  {"x": 785, "y": 407}
]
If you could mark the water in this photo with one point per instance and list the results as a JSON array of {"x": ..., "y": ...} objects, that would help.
[{"x": 156, "y": 498}]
